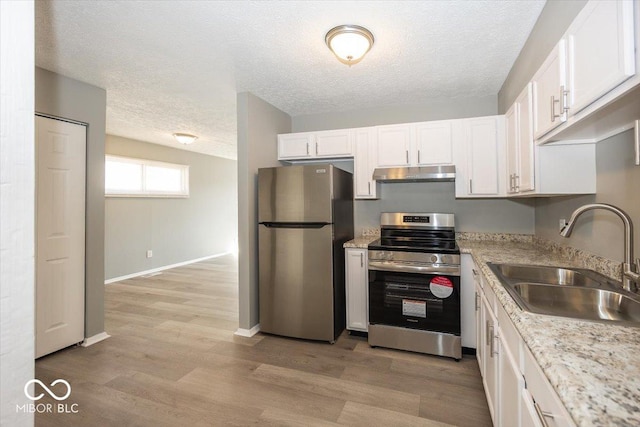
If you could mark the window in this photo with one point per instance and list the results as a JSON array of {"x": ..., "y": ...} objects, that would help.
[{"x": 127, "y": 177}]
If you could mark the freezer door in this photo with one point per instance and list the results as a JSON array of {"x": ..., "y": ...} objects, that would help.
[
  {"x": 296, "y": 282},
  {"x": 295, "y": 194}
]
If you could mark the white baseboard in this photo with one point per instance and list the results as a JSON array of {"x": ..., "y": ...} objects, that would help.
[
  {"x": 95, "y": 339},
  {"x": 248, "y": 332},
  {"x": 166, "y": 267}
]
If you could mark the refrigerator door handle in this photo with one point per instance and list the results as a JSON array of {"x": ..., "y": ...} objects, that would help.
[{"x": 295, "y": 224}]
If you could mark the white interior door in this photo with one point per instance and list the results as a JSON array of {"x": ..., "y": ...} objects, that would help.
[{"x": 60, "y": 234}]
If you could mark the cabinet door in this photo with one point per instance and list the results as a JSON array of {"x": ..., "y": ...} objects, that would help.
[
  {"x": 364, "y": 164},
  {"x": 490, "y": 378},
  {"x": 548, "y": 95},
  {"x": 600, "y": 50},
  {"x": 511, "y": 384},
  {"x": 525, "y": 179},
  {"x": 467, "y": 301},
  {"x": 480, "y": 335},
  {"x": 394, "y": 143},
  {"x": 483, "y": 156},
  {"x": 434, "y": 143},
  {"x": 512, "y": 134},
  {"x": 357, "y": 284},
  {"x": 544, "y": 397},
  {"x": 334, "y": 143},
  {"x": 295, "y": 145},
  {"x": 528, "y": 415}
]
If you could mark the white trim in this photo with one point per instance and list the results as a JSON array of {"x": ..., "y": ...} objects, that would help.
[
  {"x": 166, "y": 267},
  {"x": 248, "y": 332},
  {"x": 95, "y": 339}
]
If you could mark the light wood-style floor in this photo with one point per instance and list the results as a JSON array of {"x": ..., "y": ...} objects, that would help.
[{"x": 173, "y": 360}]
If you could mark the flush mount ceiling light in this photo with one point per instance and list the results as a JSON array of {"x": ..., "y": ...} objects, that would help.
[
  {"x": 184, "y": 138},
  {"x": 349, "y": 43}
]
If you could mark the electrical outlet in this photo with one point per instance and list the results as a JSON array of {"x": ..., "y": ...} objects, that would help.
[
  {"x": 561, "y": 224},
  {"x": 149, "y": 253}
]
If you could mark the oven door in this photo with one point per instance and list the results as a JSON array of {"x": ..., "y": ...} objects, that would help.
[{"x": 415, "y": 300}]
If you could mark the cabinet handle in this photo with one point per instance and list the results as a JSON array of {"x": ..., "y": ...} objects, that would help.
[
  {"x": 418, "y": 156},
  {"x": 316, "y": 148},
  {"x": 542, "y": 415},
  {"x": 516, "y": 182},
  {"x": 564, "y": 101},
  {"x": 369, "y": 187},
  {"x": 307, "y": 148},
  {"x": 475, "y": 273},
  {"x": 477, "y": 301},
  {"x": 470, "y": 186},
  {"x": 407, "y": 152},
  {"x": 553, "y": 108},
  {"x": 511, "y": 182},
  {"x": 361, "y": 260},
  {"x": 486, "y": 332},
  {"x": 491, "y": 342}
]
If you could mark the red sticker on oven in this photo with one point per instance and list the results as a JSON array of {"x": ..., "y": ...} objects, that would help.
[{"x": 441, "y": 287}]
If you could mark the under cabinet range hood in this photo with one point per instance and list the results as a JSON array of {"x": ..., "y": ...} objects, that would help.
[{"x": 416, "y": 174}]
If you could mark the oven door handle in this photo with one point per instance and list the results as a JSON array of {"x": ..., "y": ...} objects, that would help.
[{"x": 411, "y": 268}]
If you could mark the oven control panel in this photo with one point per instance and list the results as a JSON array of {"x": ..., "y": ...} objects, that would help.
[{"x": 422, "y": 219}]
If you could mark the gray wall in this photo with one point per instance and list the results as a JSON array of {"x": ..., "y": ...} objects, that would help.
[
  {"x": 480, "y": 215},
  {"x": 258, "y": 125},
  {"x": 486, "y": 215},
  {"x": 442, "y": 109},
  {"x": 63, "y": 97},
  {"x": 17, "y": 199},
  {"x": 599, "y": 232},
  {"x": 551, "y": 25},
  {"x": 176, "y": 229}
]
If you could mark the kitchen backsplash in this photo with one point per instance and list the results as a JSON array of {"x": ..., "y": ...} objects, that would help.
[{"x": 609, "y": 268}]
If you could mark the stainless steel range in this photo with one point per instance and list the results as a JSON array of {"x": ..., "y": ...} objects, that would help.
[{"x": 414, "y": 284}]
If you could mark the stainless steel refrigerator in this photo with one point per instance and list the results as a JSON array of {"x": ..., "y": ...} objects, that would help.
[{"x": 305, "y": 215}]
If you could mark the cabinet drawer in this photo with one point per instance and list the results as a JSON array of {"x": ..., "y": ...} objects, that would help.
[{"x": 543, "y": 394}]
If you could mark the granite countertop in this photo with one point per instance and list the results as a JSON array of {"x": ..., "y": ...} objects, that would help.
[
  {"x": 360, "y": 242},
  {"x": 594, "y": 367}
]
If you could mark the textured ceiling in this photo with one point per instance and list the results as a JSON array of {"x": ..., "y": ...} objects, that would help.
[{"x": 176, "y": 66}]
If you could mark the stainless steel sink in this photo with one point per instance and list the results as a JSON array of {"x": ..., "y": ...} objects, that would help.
[
  {"x": 568, "y": 292},
  {"x": 544, "y": 274}
]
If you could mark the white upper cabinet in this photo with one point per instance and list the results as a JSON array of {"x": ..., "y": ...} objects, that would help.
[
  {"x": 511, "y": 135},
  {"x": 520, "y": 145},
  {"x": 549, "y": 92},
  {"x": 334, "y": 143},
  {"x": 600, "y": 51},
  {"x": 434, "y": 143},
  {"x": 525, "y": 180},
  {"x": 480, "y": 167},
  {"x": 295, "y": 145},
  {"x": 364, "y": 162},
  {"x": 314, "y": 145},
  {"x": 393, "y": 145}
]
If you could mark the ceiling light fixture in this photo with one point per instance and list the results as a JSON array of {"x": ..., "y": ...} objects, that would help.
[
  {"x": 184, "y": 138},
  {"x": 349, "y": 43}
]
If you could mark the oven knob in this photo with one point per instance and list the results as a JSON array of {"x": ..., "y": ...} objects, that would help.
[{"x": 434, "y": 258}]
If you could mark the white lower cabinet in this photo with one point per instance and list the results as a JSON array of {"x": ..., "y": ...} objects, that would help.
[
  {"x": 548, "y": 410},
  {"x": 357, "y": 289},
  {"x": 518, "y": 393}
]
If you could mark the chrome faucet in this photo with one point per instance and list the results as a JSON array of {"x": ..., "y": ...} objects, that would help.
[{"x": 630, "y": 271}]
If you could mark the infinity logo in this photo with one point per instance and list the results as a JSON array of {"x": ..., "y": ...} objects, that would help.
[{"x": 52, "y": 394}]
